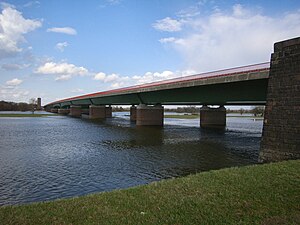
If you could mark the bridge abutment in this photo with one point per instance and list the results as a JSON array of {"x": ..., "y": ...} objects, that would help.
[
  {"x": 212, "y": 117},
  {"x": 133, "y": 113},
  {"x": 97, "y": 112},
  {"x": 281, "y": 130},
  {"x": 75, "y": 111},
  {"x": 149, "y": 115}
]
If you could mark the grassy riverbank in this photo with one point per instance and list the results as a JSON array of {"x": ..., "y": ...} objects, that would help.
[
  {"x": 260, "y": 194},
  {"x": 26, "y": 115},
  {"x": 195, "y": 116}
]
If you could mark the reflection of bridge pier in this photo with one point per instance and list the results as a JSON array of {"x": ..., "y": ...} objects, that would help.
[{"x": 276, "y": 86}]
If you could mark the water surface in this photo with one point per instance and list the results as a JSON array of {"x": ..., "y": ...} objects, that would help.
[{"x": 57, "y": 157}]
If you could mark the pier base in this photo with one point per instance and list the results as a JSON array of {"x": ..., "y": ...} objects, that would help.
[
  {"x": 108, "y": 112},
  {"x": 213, "y": 117},
  {"x": 75, "y": 111},
  {"x": 54, "y": 110},
  {"x": 63, "y": 111},
  {"x": 97, "y": 112},
  {"x": 133, "y": 113},
  {"x": 149, "y": 115}
]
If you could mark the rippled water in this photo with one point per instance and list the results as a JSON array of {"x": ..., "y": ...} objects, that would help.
[{"x": 57, "y": 157}]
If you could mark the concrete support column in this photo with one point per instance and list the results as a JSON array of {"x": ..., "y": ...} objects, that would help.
[
  {"x": 149, "y": 115},
  {"x": 63, "y": 111},
  {"x": 212, "y": 117},
  {"x": 133, "y": 113},
  {"x": 108, "y": 112},
  {"x": 281, "y": 130},
  {"x": 75, "y": 111},
  {"x": 97, "y": 112},
  {"x": 54, "y": 110}
]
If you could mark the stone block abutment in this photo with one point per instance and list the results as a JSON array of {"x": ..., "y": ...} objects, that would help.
[
  {"x": 75, "y": 111},
  {"x": 133, "y": 113},
  {"x": 97, "y": 112},
  {"x": 212, "y": 117},
  {"x": 63, "y": 111},
  {"x": 149, "y": 115},
  {"x": 281, "y": 129}
]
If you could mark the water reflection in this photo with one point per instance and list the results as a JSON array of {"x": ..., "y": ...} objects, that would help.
[{"x": 53, "y": 157}]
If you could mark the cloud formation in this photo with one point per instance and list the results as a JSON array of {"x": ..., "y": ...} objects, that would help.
[
  {"x": 168, "y": 24},
  {"x": 62, "y": 71},
  {"x": 61, "y": 46},
  {"x": 14, "y": 82},
  {"x": 13, "y": 27},
  {"x": 227, "y": 39},
  {"x": 63, "y": 30}
]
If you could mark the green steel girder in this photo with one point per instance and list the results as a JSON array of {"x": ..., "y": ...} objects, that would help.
[{"x": 242, "y": 93}]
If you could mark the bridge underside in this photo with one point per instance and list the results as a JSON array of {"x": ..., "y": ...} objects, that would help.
[{"x": 250, "y": 92}]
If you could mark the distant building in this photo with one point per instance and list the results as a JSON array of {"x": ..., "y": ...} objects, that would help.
[{"x": 39, "y": 104}]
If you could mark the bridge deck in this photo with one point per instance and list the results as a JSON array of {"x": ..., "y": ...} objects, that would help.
[{"x": 238, "y": 74}]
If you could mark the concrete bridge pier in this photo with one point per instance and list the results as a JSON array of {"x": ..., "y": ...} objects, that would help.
[
  {"x": 212, "y": 117},
  {"x": 133, "y": 113},
  {"x": 75, "y": 111},
  {"x": 63, "y": 111},
  {"x": 54, "y": 110},
  {"x": 149, "y": 115},
  {"x": 97, "y": 112},
  {"x": 108, "y": 112}
]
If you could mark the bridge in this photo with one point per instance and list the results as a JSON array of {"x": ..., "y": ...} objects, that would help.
[
  {"x": 238, "y": 86},
  {"x": 274, "y": 84}
]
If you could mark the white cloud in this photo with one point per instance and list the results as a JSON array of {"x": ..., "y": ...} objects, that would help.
[
  {"x": 106, "y": 78},
  {"x": 168, "y": 24},
  {"x": 63, "y": 30},
  {"x": 77, "y": 90},
  {"x": 167, "y": 40},
  {"x": 13, "y": 66},
  {"x": 32, "y": 3},
  {"x": 62, "y": 71},
  {"x": 13, "y": 27},
  {"x": 63, "y": 77},
  {"x": 13, "y": 93},
  {"x": 61, "y": 46},
  {"x": 114, "y": 2},
  {"x": 156, "y": 76},
  {"x": 100, "y": 76},
  {"x": 14, "y": 82},
  {"x": 111, "y": 77},
  {"x": 223, "y": 40},
  {"x": 61, "y": 68}
]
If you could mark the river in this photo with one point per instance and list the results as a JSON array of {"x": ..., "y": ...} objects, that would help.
[{"x": 56, "y": 157}]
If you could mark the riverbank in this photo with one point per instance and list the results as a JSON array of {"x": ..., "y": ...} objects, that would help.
[
  {"x": 259, "y": 194},
  {"x": 195, "y": 116},
  {"x": 26, "y": 115}
]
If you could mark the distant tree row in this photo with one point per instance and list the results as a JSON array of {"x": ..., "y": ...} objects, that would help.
[
  {"x": 21, "y": 106},
  {"x": 256, "y": 110}
]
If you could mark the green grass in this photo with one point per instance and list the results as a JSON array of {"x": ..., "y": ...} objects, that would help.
[
  {"x": 195, "y": 116},
  {"x": 260, "y": 194},
  {"x": 185, "y": 116},
  {"x": 26, "y": 115}
]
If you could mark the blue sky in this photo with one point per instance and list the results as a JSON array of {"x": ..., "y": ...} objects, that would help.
[{"x": 56, "y": 49}]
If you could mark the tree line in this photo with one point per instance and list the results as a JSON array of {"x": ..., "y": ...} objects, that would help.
[{"x": 21, "y": 106}]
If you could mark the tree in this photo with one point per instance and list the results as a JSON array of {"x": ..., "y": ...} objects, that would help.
[
  {"x": 258, "y": 111},
  {"x": 33, "y": 104}
]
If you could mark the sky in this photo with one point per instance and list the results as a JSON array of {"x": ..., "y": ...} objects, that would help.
[{"x": 58, "y": 49}]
